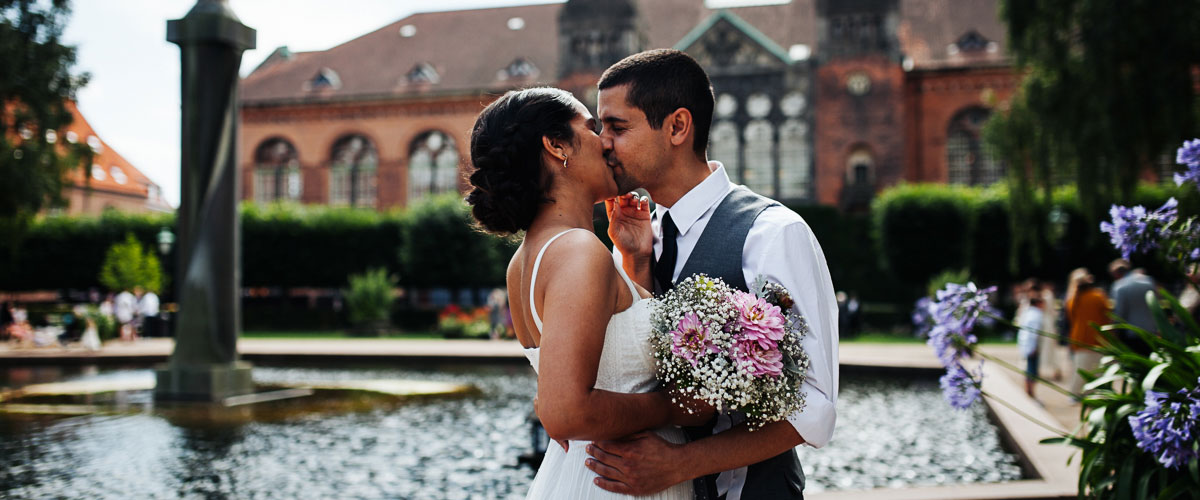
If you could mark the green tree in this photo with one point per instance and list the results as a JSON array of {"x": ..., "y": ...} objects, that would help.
[
  {"x": 1108, "y": 87},
  {"x": 127, "y": 265},
  {"x": 35, "y": 84}
]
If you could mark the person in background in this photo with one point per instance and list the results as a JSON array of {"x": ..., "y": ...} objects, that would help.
[
  {"x": 1088, "y": 309},
  {"x": 854, "y": 314},
  {"x": 497, "y": 303},
  {"x": 1050, "y": 353},
  {"x": 147, "y": 310},
  {"x": 125, "y": 310},
  {"x": 1129, "y": 302},
  {"x": 1029, "y": 324}
]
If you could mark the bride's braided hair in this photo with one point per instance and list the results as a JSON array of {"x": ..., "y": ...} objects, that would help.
[{"x": 506, "y": 152}]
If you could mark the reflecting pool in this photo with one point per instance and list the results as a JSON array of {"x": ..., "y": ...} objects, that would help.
[{"x": 891, "y": 433}]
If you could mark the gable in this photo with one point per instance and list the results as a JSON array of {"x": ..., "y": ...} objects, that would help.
[{"x": 725, "y": 41}]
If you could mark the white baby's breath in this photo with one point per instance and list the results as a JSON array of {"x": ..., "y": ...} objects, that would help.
[{"x": 718, "y": 378}]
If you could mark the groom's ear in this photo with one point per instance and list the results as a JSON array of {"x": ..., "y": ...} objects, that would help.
[{"x": 679, "y": 125}]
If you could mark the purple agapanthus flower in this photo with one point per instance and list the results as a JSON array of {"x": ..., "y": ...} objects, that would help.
[
  {"x": 1189, "y": 153},
  {"x": 1166, "y": 428},
  {"x": 955, "y": 312},
  {"x": 1189, "y": 157},
  {"x": 922, "y": 316},
  {"x": 961, "y": 387},
  {"x": 1134, "y": 229}
]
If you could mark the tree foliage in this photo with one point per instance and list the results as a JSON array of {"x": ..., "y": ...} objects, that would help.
[
  {"x": 35, "y": 84},
  {"x": 1108, "y": 88},
  {"x": 128, "y": 265}
]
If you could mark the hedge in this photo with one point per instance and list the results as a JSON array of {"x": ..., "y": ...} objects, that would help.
[
  {"x": 924, "y": 229},
  {"x": 283, "y": 245}
]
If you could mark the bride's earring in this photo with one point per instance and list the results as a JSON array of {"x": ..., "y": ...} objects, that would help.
[{"x": 564, "y": 162}]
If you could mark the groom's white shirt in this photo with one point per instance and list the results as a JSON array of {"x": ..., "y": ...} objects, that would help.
[{"x": 780, "y": 247}]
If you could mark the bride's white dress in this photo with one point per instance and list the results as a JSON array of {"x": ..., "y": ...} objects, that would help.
[{"x": 626, "y": 365}]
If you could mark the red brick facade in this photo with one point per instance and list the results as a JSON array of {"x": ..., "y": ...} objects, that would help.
[
  {"x": 934, "y": 98},
  {"x": 879, "y": 84},
  {"x": 390, "y": 125}
]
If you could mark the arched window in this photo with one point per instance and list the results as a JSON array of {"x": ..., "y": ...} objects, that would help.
[
  {"x": 968, "y": 159},
  {"x": 277, "y": 172},
  {"x": 352, "y": 179},
  {"x": 759, "y": 173},
  {"x": 794, "y": 160},
  {"x": 432, "y": 165},
  {"x": 859, "y": 169},
  {"x": 724, "y": 146}
]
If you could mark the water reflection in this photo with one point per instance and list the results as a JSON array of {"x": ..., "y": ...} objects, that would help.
[{"x": 890, "y": 433}]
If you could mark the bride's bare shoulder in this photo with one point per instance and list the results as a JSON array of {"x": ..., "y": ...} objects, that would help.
[{"x": 577, "y": 252}]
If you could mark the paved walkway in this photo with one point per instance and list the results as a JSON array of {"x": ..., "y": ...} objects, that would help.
[{"x": 1055, "y": 479}]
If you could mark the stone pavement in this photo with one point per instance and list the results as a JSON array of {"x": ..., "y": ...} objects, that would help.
[{"x": 1054, "y": 478}]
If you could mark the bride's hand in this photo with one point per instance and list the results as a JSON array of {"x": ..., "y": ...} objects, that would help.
[{"x": 629, "y": 225}]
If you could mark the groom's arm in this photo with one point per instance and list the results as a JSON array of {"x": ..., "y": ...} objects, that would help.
[{"x": 646, "y": 464}]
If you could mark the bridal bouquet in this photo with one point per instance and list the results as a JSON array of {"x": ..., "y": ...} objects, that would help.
[{"x": 734, "y": 350}]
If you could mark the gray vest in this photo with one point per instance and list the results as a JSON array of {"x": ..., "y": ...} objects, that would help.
[{"x": 718, "y": 254}]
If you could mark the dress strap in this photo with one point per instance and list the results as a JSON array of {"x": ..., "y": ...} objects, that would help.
[{"x": 537, "y": 320}]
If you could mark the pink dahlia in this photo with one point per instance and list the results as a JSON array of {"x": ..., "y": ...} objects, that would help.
[
  {"x": 690, "y": 339},
  {"x": 757, "y": 359},
  {"x": 758, "y": 320}
]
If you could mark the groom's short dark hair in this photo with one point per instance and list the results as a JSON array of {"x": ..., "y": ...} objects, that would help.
[{"x": 662, "y": 81}]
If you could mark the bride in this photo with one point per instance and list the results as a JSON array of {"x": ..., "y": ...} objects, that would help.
[{"x": 539, "y": 168}]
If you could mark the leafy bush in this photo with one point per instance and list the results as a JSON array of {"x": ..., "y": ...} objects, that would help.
[
  {"x": 369, "y": 300},
  {"x": 922, "y": 229},
  {"x": 126, "y": 265},
  {"x": 443, "y": 247}
]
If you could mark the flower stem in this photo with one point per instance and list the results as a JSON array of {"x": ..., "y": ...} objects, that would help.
[
  {"x": 1057, "y": 432},
  {"x": 1043, "y": 333},
  {"x": 1010, "y": 366}
]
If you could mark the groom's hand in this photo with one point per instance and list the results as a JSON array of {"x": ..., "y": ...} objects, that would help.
[
  {"x": 641, "y": 464},
  {"x": 629, "y": 225}
]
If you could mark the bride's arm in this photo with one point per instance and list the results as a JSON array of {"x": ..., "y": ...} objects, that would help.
[{"x": 580, "y": 293}]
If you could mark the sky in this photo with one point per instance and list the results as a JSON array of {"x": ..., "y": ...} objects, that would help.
[{"x": 132, "y": 100}]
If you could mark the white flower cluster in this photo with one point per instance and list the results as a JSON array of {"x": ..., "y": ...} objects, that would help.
[{"x": 697, "y": 330}]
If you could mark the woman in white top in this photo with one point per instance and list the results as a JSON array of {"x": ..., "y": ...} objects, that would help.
[{"x": 539, "y": 168}]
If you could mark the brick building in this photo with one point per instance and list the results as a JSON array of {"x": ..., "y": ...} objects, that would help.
[
  {"x": 111, "y": 182},
  {"x": 818, "y": 101}
]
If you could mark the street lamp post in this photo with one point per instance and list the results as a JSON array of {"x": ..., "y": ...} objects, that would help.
[{"x": 205, "y": 364}]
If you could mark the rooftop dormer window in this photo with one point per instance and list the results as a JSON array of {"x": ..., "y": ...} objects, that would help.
[
  {"x": 422, "y": 73},
  {"x": 971, "y": 41},
  {"x": 519, "y": 68},
  {"x": 326, "y": 78}
]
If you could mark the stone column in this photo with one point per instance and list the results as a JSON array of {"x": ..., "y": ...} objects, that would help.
[{"x": 205, "y": 364}]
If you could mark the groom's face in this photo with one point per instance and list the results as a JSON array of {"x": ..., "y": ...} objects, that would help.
[{"x": 633, "y": 148}]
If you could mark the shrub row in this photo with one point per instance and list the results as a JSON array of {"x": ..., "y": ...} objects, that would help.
[
  {"x": 921, "y": 230},
  {"x": 433, "y": 244}
]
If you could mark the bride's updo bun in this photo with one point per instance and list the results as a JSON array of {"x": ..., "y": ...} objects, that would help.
[{"x": 506, "y": 152}]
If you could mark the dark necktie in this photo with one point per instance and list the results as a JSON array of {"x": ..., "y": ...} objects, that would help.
[{"x": 664, "y": 268}]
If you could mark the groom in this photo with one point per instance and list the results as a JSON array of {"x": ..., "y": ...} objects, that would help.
[{"x": 656, "y": 107}]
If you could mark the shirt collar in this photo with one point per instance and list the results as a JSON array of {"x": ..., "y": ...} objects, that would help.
[{"x": 699, "y": 200}]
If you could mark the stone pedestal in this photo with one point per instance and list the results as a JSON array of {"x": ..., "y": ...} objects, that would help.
[
  {"x": 212, "y": 382},
  {"x": 205, "y": 364}
]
